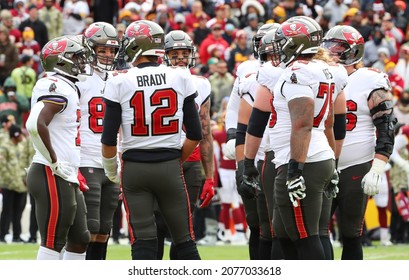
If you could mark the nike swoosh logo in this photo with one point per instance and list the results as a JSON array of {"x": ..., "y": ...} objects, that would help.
[
  {"x": 295, "y": 68},
  {"x": 356, "y": 177}
]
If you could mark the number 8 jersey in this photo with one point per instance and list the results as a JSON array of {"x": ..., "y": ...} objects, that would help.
[
  {"x": 311, "y": 79},
  {"x": 151, "y": 98}
]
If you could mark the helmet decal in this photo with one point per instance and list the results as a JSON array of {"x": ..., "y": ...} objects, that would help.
[
  {"x": 293, "y": 29},
  {"x": 91, "y": 31},
  {"x": 139, "y": 29},
  {"x": 55, "y": 48},
  {"x": 353, "y": 38}
]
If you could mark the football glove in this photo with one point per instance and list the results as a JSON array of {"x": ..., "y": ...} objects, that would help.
[
  {"x": 295, "y": 182},
  {"x": 372, "y": 180},
  {"x": 296, "y": 190},
  {"x": 61, "y": 169},
  {"x": 229, "y": 149},
  {"x": 83, "y": 183},
  {"x": 112, "y": 169},
  {"x": 250, "y": 185},
  {"x": 207, "y": 193},
  {"x": 332, "y": 189}
]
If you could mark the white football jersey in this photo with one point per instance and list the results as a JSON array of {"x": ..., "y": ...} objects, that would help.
[
  {"x": 64, "y": 127},
  {"x": 301, "y": 79},
  {"x": 151, "y": 100},
  {"x": 92, "y": 115},
  {"x": 244, "y": 68},
  {"x": 360, "y": 140},
  {"x": 340, "y": 78}
]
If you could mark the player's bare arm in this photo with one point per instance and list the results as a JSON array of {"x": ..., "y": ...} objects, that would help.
[
  {"x": 42, "y": 114},
  {"x": 206, "y": 145},
  {"x": 302, "y": 118},
  {"x": 381, "y": 108},
  {"x": 329, "y": 127},
  {"x": 259, "y": 118}
]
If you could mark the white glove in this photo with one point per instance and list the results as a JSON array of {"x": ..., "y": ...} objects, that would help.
[
  {"x": 372, "y": 180},
  {"x": 61, "y": 169},
  {"x": 112, "y": 169},
  {"x": 229, "y": 149},
  {"x": 296, "y": 190}
]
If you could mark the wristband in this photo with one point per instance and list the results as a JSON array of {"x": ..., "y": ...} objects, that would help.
[
  {"x": 231, "y": 134},
  {"x": 294, "y": 169},
  {"x": 248, "y": 162}
]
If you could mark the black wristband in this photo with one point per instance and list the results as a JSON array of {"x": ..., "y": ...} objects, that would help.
[
  {"x": 231, "y": 134},
  {"x": 294, "y": 169},
  {"x": 248, "y": 162}
]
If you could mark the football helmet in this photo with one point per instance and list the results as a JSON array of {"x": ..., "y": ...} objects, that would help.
[
  {"x": 66, "y": 55},
  {"x": 346, "y": 43},
  {"x": 260, "y": 33},
  {"x": 176, "y": 40},
  {"x": 143, "y": 37},
  {"x": 296, "y": 36},
  {"x": 266, "y": 43},
  {"x": 105, "y": 35}
]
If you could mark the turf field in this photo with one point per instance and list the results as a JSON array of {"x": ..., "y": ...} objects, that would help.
[{"x": 226, "y": 252}]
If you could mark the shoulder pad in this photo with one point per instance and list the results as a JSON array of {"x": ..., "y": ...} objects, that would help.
[
  {"x": 246, "y": 83},
  {"x": 340, "y": 75},
  {"x": 298, "y": 73},
  {"x": 118, "y": 72},
  {"x": 268, "y": 75},
  {"x": 246, "y": 67},
  {"x": 376, "y": 78}
]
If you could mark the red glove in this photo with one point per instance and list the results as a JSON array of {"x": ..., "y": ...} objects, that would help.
[
  {"x": 207, "y": 193},
  {"x": 83, "y": 183}
]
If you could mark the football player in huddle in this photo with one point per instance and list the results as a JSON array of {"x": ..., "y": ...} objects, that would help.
[
  {"x": 53, "y": 126},
  {"x": 101, "y": 40},
  {"x": 251, "y": 206},
  {"x": 369, "y": 135},
  {"x": 180, "y": 52},
  {"x": 151, "y": 102},
  {"x": 304, "y": 159}
]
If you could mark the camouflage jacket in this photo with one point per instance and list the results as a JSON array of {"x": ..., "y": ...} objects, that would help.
[{"x": 11, "y": 169}]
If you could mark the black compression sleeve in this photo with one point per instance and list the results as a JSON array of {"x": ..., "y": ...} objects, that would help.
[
  {"x": 111, "y": 123},
  {"x": 191, "y": 120},
  {"x": 340, "y": 126},
  {"x": 257, "y": 122},
  {"x": 241, "y": 134}
]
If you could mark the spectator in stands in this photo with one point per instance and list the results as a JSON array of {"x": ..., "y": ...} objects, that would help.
[
  {"x": 392, "y": 33},
  {"x": 25, "y": 77},
  {"x": 249, "y": 7},
  {"x": 251, "y": 28},
  {"x": 52, "y": 18},
  {"x": 395, "y": 79},
  {"x": 12, "y": 102},
  {"x": 195, "y": 16},
  {"x": 201, "y": 31},
  {"x": 31, "y": 47},
  {"x": 7, "y": 20},
  {"x": 8, "y": 54},
  {"x": 401, "y": 109},
  {"x": 14, "y": 186},
  {"x": 74, "y": 14},
  {"x": 401, "y": 19},
  {"x": 215, "y": 37},
  {"x": 402, "y": 67},
  {"x": 337, "y": 9},
  {"x": 19, "y": 12},
  {"x": 383, "y": 58},
  {"x": 39, "y": 28},
  {"x": 372, "y": 46},
  {"x": 222, "y": 84},
  {"x": 240, "y": 52},
  {"x": 357, "y": 21}
]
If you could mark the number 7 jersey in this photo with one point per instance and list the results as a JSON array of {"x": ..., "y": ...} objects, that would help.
[
  {"x": 151, "y": 100},
  {"x": 311, "y": 79}
]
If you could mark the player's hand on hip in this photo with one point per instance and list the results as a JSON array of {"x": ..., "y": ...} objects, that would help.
[
  {"x": 229, "y": 149},
  {"x": 83, "y": 182},
  {"x": 371, "y": 182},
  {"x": 331, "y": 190},
  {"x": 207, "y": 193},
  {"x": 251, "y": 180},
  {"x": 61, "y": 169}
]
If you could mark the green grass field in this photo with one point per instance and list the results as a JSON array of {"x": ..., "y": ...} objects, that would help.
[{"x": 227, "y": 252}]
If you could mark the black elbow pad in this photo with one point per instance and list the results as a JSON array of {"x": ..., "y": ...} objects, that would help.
[
  {"x": 385, "y": 134},
  {"x": 258, "y": 122},
  {"x": 241, "y": 134},
  {"x": 340, "y": 126}
]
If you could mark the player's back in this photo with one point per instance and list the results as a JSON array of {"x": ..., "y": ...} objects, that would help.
[{"x": 151, "y": 99}]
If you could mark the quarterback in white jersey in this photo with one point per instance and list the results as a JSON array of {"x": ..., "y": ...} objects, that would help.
[
  {"x": 102, "y": 41},
  {"x": 53, "y": 125},
  {"x": 369, "y": 136},
  {"x": 151, "y": 103}
]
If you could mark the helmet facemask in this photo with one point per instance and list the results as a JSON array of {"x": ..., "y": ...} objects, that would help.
[{"x": 74, "y": 65}]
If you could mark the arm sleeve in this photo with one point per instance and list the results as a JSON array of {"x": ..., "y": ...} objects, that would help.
[{"x": 112, "y": 122}]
